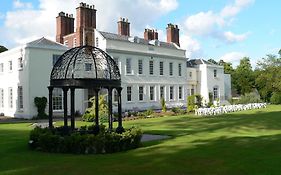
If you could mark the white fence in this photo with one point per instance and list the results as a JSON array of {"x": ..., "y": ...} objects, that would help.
[{"x": 229, "y": 108}]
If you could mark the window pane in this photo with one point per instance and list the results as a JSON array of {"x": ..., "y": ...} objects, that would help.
[
  {"x": 141, "y": 93},
  {"x": 161, "y": 65},
  {"x": 151, "y": 92},
  {"x": 179, "y": 69},
  {"x": 180, "y": 92},
  {"x": 171, "y": 69},
  {"x": 88, "y": 66},
  {"x": 128, "y": 66},
  {"x": 140, "y": 66},
  {"x": 20, "y": 95},
  {"x": 129, "y": 93},
  {"x": 162, "y": 92},
  {"x": 151, "y": 67},
  {"x": 57, "y": 99},
  {"x": 171, "y": 92}
]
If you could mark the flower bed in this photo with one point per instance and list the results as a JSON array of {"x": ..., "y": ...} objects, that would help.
[{"x": 84, "y": 140}]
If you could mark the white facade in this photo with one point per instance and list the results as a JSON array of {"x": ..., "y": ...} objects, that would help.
[
  {"x": 149, "y": 71},
  {"x": 28, "y": 77},
  {"x": 207, "y": 78},
  {"x": 146, "y": 73}
]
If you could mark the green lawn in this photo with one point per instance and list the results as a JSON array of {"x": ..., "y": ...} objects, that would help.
[{"x": 247, "y": 142}]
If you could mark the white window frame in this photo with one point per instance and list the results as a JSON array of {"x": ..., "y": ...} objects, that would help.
[
  {"x": 10, "y": 97},
  {"x": 88, "y": 67},
  {"x": 171, "y": 93},
  {"x": 215, "y": 73},
  {"x": 57, "y": 99},
  {"x": 1, "y": 98},
  {"x": 20, "y": 97},
  {"x": 1, "y": 67},
  {"x": 141, "y": 93},
  {"x": 161, "y": 68},
  {"x": 140, "y": 67},
  {"x": 216, "y": 92},
  {"x": 171, "y": 71},
  {"x": 151, "y": 67},
  {"x": 115, "y": 95},
  {"x": 190, "y": 74},
  {"x": 10, "y": 65},
  {"x": 20, "y": 63},
  {"x": 180, "y": 69},
  {"x": 152, "y": 93},
  {"x": 160, "y": 92},
  {"x": 129, "y": 93},
  {"x": 129, "y": 66},
  {"x": 180, "y": 93}
]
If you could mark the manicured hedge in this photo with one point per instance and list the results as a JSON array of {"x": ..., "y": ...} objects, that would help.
[{"x": 83, "y": 141}]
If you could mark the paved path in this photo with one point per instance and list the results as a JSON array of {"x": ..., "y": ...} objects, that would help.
[{"x": 153, "y": 137}]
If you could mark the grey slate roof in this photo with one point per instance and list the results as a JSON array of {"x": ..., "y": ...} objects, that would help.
[
  {"x": 45, "y": 43},
  {"x": 194, "y": 62},
  {"x": 113, "y": 36}
]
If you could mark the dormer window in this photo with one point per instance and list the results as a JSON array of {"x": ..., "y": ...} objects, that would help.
[
  {"x": 20, "y": 62},
  {"x": 215, "y": 73},
  {"x": 88, "y": 66},
  {"x": 97, "y": 42}
]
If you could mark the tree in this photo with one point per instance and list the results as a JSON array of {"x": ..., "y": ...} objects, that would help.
[
  {"x": 228, "y": 69},
  {"x": 268, "y": 76},
  {"x": 244, "y": 77},
  {"x": 3, "y": 49}
]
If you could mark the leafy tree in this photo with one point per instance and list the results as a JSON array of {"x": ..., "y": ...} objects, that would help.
[
  {"x": 243, "y": 77},
  {"x": 268, "y": 76},
  {"x": 3, "y": 49},
  {"x": 228, "y": 69}
]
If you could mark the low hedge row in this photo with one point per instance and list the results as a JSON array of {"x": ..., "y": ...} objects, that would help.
[{"x": 82, "y": 141}]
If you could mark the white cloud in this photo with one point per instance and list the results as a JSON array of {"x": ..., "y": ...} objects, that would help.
[
  {"x": 18, "y": 4},
  {"x": 192, "y": 46},
  {"x": 234, "y": 9},
  {"x": 203, "y": 23},
  {"x": 24, "y": 23},
  {"x": 212, "y": 24},
  {"x": 233, "y": 57},
  {"x": 233, "y": 38}
]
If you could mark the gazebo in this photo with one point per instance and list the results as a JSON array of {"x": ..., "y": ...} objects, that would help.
[{"x": 85, "y": 67}]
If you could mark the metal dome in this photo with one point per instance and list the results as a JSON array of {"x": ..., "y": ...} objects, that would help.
[{"x": 84, "y": 67}]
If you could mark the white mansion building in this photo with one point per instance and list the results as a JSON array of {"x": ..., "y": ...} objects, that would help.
[{"x": 150, "y": 69}]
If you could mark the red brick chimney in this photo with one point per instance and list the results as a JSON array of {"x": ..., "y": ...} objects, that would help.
[
  {"x": 173, "y": 34},
  {"x": 123, "y": 27},
  {"x": 64, "y": 26},
  {"x": 150, "y": 34},
  {"x": 85, "y": 24}
]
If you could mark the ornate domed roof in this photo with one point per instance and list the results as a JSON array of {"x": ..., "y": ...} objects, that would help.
[{"x": 85, "y": 63}]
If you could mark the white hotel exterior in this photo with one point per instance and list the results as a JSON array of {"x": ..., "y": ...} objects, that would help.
[
  {"x": 25, "y": 72},
  {"x": 150, "y": 69}
]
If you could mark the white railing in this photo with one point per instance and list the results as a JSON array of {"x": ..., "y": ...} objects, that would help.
[{"x": 229, "y": 108}]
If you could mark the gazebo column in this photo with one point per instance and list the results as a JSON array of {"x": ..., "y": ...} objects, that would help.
[
  {"x": 72, "y": 107},
  {"x": 65, "y": 106},
  {"x": 50, "y": 88},
  {"x": 97, "y": 107},
  {"x": 110, "y": 109},
  {"x": 120, "y": 128}
]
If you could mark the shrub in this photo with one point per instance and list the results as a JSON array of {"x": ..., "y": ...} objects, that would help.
[
  {"x": 90, "y": 113},
  {"x": 178, "y": 111},
  {"x": 41, "y": 103},
  {"x": 199, "y": 99},
  {"x": 83, "y": 142},
  {"x": 148, "y": 112},
  {"x": 190, "y": 103},
  {"x": 276, "y": 98},
  {"x": 163, "y": 104},
  {"x": 249, "y": 98}
]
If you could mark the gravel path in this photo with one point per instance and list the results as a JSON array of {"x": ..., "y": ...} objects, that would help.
[{"x": 153, "y": 137}]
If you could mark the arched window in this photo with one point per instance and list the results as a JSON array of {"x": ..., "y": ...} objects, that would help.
[{"x": 216, "y": 92}]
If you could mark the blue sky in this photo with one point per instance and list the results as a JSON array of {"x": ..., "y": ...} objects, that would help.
[{"x": 215, "y": 29}]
